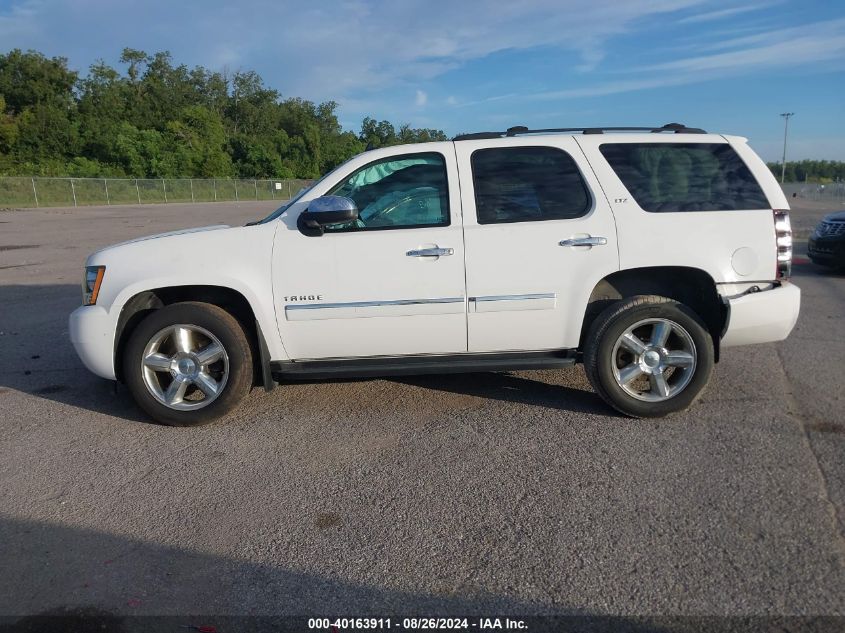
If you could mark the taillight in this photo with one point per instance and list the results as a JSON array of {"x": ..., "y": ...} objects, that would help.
[{"x": 783, "y": 238}]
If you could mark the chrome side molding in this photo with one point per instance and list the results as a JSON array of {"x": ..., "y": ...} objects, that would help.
[
  {"x": 541, "y": 295},
  {"x": 513, "y": 303},
  {"x": 365, "y": 309},
  {"x": 409, "y": 307},
  {"x": 372, "y": 304}
]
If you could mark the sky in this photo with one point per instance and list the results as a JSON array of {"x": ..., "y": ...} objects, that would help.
[{"x": 472, "y": 65}]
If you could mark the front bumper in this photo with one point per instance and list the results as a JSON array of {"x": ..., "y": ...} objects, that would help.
[
  {"x": 827, "y": 250},
  {"x": 762, "y": 317},
  {"x": 92, "y": 334}
]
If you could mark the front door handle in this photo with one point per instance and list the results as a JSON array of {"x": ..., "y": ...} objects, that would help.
[
  {"x": 584, "y": 241},
  {"x": 431, "y": 252}
]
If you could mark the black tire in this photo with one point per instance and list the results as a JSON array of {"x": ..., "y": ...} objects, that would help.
[
  {"x": 231, "y": 336},
  {"x": 609, "y": 326}
]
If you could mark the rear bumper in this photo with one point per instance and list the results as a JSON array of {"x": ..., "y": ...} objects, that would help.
[
  {"x": 92, "y": 334},
  {"x": 762, "y": 317}
]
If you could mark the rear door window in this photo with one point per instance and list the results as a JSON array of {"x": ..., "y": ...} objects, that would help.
[
  {"x": 667, "y": 177},
  {"x": 527, "y": 184}
]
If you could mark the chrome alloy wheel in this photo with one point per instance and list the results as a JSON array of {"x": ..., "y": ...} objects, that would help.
[
  {"x": 654, "y": 360},
  {"x": 185, "y": 367}
]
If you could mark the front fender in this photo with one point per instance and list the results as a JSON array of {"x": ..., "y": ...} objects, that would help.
[{"x": 237, "y": 259}]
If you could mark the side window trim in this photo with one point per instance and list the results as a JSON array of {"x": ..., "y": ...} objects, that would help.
[
  {"x": 398, "y": 157},
  {"x": 590, "y": 201}
]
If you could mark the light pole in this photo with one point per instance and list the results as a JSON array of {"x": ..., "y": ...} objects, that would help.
[{"x": 785, "y": 116}]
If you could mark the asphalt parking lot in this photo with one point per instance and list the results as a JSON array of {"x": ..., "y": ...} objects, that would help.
[{"x": 498, "y": 493}]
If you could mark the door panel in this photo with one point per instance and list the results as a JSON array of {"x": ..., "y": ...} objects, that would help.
[
  {"x": 357, "y": 292},
  {"x": 525, "y": 290}
]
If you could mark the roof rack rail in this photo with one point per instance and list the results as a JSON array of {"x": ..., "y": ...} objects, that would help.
[{"x": 676, "y": 128}]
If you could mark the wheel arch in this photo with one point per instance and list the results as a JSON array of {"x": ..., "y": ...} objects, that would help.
[
  {"x": 691, "y": 286},
  {"x": 144, "y": 302}
]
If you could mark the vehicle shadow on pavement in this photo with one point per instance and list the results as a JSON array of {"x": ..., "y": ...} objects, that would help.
[
  {"x": 57, "y": 571},
  {"x": 509, "y": 387},
  {"x": 802, "y": 270},
  {"x": 62, "y": 578},
  {"x": 37, "y": 357}
]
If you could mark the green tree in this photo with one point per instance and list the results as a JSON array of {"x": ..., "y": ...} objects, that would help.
[
  {"x": 8, "y": 129},
  {"x": 154, "y": 118},
  {"x": 375, "y": 134},
  {"x": 134, "y": 58},
  {"x": 102, "y": 108},
  {"x": 30, "y": 79},
  {"x": 258, "y": 159},
  {"x": 140, "y": 153},
  {"x": 197, "y": 142},
  {"x": 816, "y": 171},
  {"x": 46, "y": 131},
  {"x": 253, "y": 108}
]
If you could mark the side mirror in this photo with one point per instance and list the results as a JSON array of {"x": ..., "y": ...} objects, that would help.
[{"x": 326, "y": 210}]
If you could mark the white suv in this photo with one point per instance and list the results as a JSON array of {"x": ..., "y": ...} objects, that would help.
[{"x": 637, "y": 251}]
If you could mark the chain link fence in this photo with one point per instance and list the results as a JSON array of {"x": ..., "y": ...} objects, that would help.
[
  {"x": 831, "y": 192},
  {"x": 22, "y": 192}
]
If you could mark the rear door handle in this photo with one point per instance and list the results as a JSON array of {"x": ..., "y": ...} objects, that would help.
[
  {"x": 431, "y": 252},
  {"x": 584, "y": 241}
]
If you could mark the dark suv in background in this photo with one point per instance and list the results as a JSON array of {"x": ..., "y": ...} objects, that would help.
[{"x": 826, "y": 246}]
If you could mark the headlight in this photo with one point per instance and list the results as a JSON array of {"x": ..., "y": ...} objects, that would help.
[{"x": 91, "y": 284}]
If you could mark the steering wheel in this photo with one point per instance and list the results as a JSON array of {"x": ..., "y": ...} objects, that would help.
[{"x": 416, "y": 199}]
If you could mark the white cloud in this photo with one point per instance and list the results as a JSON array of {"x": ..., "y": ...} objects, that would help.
[
  {"x": 331, "y": 48},
  {"x": 720, "y": 14},
  {"x": 820, "y": 41},
  {"x": 420, "y": 99},
  {"x": 595, "y": 90},
  {"x": 796, "y": 46}
]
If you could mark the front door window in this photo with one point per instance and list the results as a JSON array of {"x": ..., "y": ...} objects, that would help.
[{"x": 397, "y": 193}]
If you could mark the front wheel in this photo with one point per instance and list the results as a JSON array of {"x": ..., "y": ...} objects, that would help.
[
  {"x": 188, "y": 364},
  {"x": 648, "y": 356}
]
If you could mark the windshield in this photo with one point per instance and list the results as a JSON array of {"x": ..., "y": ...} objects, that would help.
[{"x": 299, "y": 195}]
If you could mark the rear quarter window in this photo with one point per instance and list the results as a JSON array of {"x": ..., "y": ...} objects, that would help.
[{"x": 668, "y": 177}]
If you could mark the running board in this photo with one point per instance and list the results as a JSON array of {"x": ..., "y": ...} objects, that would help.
[{"x": 411, "y": 365}]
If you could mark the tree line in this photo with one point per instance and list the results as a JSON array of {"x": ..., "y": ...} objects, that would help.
[
  {"x": 156, "y": 119},
  {"x": 820, "y": 171}
]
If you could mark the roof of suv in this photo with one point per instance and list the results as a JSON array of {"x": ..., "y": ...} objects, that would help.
[{"x": 519, "y": 130}]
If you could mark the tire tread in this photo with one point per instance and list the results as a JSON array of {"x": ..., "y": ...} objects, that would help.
[
  {"x": 607, "y": 319},
  {"x": 240, "y": 352}
]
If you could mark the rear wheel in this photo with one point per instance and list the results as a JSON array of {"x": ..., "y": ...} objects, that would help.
[
  {"x": 188, "y": 364},
  {"x": 648, "y": 356}
]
